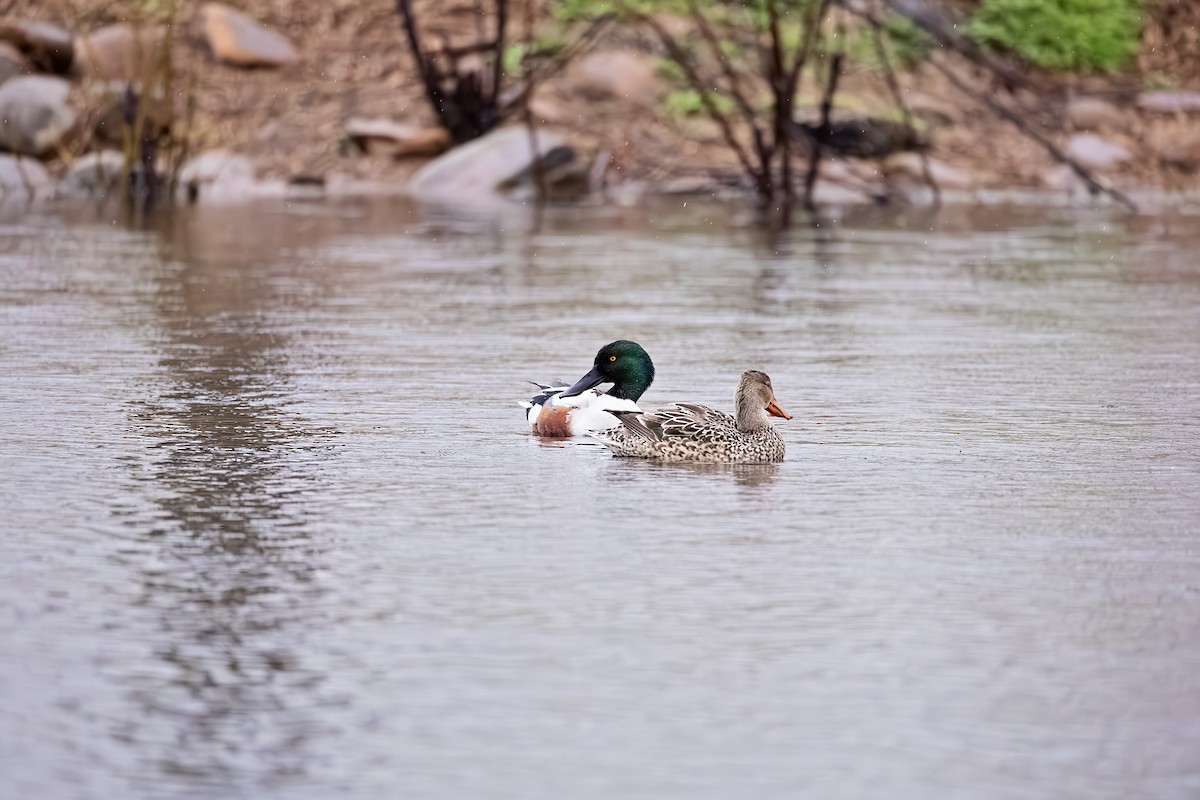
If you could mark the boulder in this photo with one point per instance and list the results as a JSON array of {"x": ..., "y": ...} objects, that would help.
[
  {"x": 219, "y": 174},
  {"x": 235, "y": 38},
  {"x": 561, "y": 172},
  {"x": 474, "y": 171},
  {"x": 34, "y": 115},
  {"x": 21, "y": 175},
  {"x": 12, "y": 62},
  {"x": 48, "y": 47},
  {"x": 1093, "y": 114},
  {"x": 632, "y": 76},
  {"x": 1095, "y": 153},
  {"x": 118, "y": 53},
  {"x": 387, "y": 138},
  {"x": 96, "y": 173},
  {"x": 1169, "y": 102}
]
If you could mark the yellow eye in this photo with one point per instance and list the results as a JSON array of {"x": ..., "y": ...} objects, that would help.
[{"x": 612, "y": 358}]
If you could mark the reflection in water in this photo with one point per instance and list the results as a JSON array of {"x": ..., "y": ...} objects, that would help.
[
  {"x": 278, "y": 530},
  {"x": 229, "y": 467},
  {"x": 748, "y": 475}
]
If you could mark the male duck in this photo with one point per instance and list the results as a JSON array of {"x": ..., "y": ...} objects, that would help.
[
  {"x": 691, "y": 432},
  {"x": 561, "y": 410}
]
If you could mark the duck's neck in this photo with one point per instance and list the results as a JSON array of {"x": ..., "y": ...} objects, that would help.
[
  {"x": 633, "y": 385},
  {"x": 751, "y": 416}
]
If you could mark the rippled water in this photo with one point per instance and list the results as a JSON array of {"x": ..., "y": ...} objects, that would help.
[{"x": 273, "y": 527}]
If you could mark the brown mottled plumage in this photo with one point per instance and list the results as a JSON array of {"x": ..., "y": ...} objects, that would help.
[{"x": 692, "y": 432}]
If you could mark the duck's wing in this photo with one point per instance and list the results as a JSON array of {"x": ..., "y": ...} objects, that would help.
[{"x": 684, "y": 421}]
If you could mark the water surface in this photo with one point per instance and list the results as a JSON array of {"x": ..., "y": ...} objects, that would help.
[{"x": 274, "y": 527}]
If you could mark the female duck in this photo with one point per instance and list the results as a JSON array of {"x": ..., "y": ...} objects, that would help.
[
  {"x": 691, "y": 432},
  {"x": 562, "y": 410}
]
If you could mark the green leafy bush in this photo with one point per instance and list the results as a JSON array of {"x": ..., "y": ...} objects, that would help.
[{"x": 1075, "y": 35}]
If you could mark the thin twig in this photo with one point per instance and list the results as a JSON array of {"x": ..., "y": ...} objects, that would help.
[
  {"x": 727, "y": 69},
  {"x": 1002, "y": 111},
  {"x": 814, "y": 156},
  {"x": 906, "y": 115},
  {"x": 498, "y": 58},
  {"x": 680, "y": 56},
  {"x": 538, "y": 74},
  {"x": 425, "y": 69},
  {"x": 1055, "y": 152}
]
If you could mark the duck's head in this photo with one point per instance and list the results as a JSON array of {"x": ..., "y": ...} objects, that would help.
[
  {"x": 756, "y": 400},
  {"x": 625, "y": 365}
]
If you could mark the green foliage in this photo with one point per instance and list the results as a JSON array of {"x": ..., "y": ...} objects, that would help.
[
  {"x": 514, "y": 56},
  {"x": 1074, "y": 35},
  {"x": 907, "y": 45},
  {"x": 688, "y": 103},
  {"x": 904, "y": 44}
]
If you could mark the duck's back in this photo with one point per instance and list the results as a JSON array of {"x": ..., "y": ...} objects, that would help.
[{"x": 691, "y": 432}]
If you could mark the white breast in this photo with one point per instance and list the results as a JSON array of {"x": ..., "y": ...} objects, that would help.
[{"x": 592, "y": 410}]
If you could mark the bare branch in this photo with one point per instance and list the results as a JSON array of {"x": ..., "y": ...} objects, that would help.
[
  {"x": 906, "y": 115},
  {"x": 1001, "y": 110},
  {"x": 681, "y": 57},
  {"x": 498, "y": 57},
  {"x": 814, "y": 156}
]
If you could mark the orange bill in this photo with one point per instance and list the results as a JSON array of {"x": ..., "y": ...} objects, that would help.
[{"x": 775, "y": 411}]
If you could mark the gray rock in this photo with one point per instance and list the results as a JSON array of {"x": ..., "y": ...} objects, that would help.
[
  {"x": 1169, "y": 102},
  {"x": 1092, "y": 114},
  {"x": 561, "y": 172},
  {"x": 218, "y": 174},
  {"x": 34, "y": 115},
  {"x": 474, "y": 171},
  {"x": 237, "y": 39},
  {"x": 48, "y": 47},
  {"x": 96, "y": 173},
  {"x": 1095, "y": 153},
  {"x": 12, "y": 62},
  {"x": 21, "y": 175}
]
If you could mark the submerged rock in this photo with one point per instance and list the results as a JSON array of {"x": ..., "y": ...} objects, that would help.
[
  {"x": 34, "y": 115},
  {"x": 237, "y": 39},
  {"x": 476, "y": 170},
  {"x": 48, "y": 47},
  {"x": 395, "y": 139},
  {"x": 1095, "y": 153}
]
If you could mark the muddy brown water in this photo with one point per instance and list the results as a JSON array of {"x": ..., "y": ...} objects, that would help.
[{"x": 272, "y": 526}]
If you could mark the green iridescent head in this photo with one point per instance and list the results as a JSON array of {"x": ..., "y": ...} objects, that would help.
[{"x": 624, "y": 364}]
